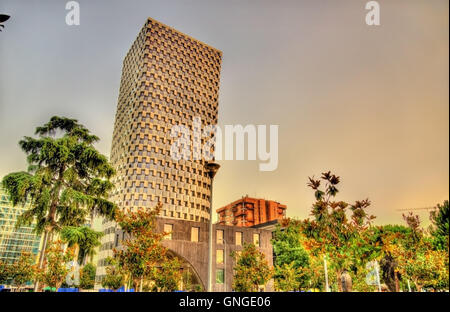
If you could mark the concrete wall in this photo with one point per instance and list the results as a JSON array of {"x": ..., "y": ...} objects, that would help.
[{"x": 196, "y": 253}]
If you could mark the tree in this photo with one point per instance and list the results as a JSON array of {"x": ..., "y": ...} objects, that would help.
[
  {"x": 142, "y": 259},
  {"x": 389, "y": 272},
  {"x": 87, "y": 278},
  {"x": 168, "y": 276},
  {"x": 55, "y": 269},
  {"x": 67, "y": 178},
  {"x": 142, "y": 251},
  {"x": 5, "y": 273},
  {"x": 333, "y": 233},
  {"x": 187, "y": 280},
  {"x": 418, "y": 261},
  {"x": 251, "y": 270},
  {"x": 83, "y": 238},
  {"x": 114, "y": 278},
  {"x": 439, "y": 229},
  {"x": 291, "y": 261},
  {"x": 23, "y": 270},
  {"x": 287, "y": 277}
]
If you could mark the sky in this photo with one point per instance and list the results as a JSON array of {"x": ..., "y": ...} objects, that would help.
[{"x": 369, "y": 103}]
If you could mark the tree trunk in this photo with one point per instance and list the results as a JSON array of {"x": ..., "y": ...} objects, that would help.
[
  {"x": 338, "y": 278},
  {"x": 44, "y": 247},
  {"x": 42, "y": 257},
  {"x": 76, "y": 254},
  {"x": 344, "y": 281},
  {"x": 418, "y": 287},
  {"x": 397, "y": 285}
]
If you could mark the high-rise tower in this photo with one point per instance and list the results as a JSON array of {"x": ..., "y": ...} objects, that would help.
[
  {"x": 168, "y": 79},
  {"x": 15, "y": 241}
]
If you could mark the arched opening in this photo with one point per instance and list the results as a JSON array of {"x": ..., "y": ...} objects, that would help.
[{"x": 191, "y": 280}]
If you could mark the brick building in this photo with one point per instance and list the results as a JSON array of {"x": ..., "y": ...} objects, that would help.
[{"x": 248, "y": 212}]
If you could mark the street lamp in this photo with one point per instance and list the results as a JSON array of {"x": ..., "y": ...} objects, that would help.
[
  {"x": 3, "y": 18},
  {"x": 211, "y": 168}
]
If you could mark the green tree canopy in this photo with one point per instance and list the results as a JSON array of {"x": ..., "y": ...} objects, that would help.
[
  {"x": 251, "y": 270},
  {"x": 83, "y": 238},
  {"x": 87, "y": 277},
  {"x": 23, "y": 270},
  {"x": 114, "y": 278},
  {"x": 168, "y": 275},
  {"x": 338, "y": 230},
  {"x": 439, "y": 229},
  {"x": 291, "y": 259},
  {"x": 67, "y": 178},
  {"x": 5, "y": 273},
  {"x": 142, "y": 249},
  {"x": 55, "y": 270}
]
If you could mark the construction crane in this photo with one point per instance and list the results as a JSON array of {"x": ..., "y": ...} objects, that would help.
[{"x": 414, "y": 209}]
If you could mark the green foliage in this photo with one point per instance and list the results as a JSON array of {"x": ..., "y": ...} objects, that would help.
[
  {"x": 55, "y": 270},
  {"x": 67, "y": 177},
  {"x": 338, "y": 229},
  {"x": 87, "y": 276},
  {"x": 251, "y": 270},
  {"x": 291, "y": 259},
  {"x": 187, "y": 280},
  {"x": 167, "y": 277},
  {"x": 20, "y": 272},
  {"x": 114, "y": 278},
  {"x": 288, "y": 247},
  {"x": 439, "y": 228},
  {"x": 5, "y": 273},
  {"x": 143, "y": 250},
  {"x": 415, "y": 257},
  {"x": 23, "y": 270},
  {"x": 143, "y": 260},
  {"x": 84, "y": 238},
  {"x": 288, "y": 278}
]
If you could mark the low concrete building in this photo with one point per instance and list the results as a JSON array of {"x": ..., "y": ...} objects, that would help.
[{"x": 189, "y": 242}]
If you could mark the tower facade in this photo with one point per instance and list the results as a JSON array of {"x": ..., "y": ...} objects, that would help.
[
  {"x": 168, "y": 79},
  {"x": 15, "y": 241}
]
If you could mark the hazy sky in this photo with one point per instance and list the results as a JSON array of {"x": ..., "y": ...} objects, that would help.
[{"x": 369, "y": 103}]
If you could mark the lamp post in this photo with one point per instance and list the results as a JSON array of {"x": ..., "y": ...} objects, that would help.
[
  {"x": 3, "y": 18},
  {"x": 327, "y": 289},
  {"x": 224, "y": 264},
  {"x": 211, "y": 168}
]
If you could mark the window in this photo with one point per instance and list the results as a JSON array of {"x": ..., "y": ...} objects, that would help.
[
  {"x": 238, "y": 238},
  {"x": 219, "y": 235},
  {"x": 168, "y": 228},
  {"x": 194, "y": 234},
  {"x": 256, "y": 240},
  {"x": 220, "y": 274},
  {"x": 219, "y": 256}
]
